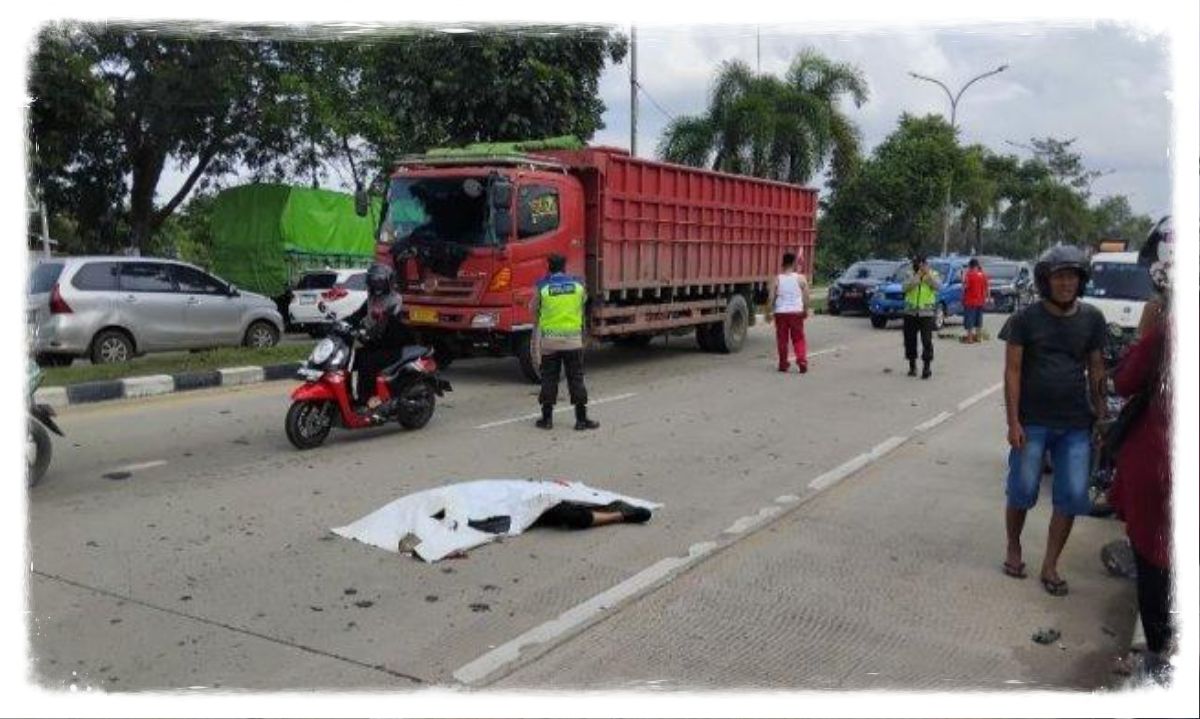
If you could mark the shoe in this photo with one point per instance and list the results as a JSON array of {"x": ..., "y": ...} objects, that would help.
[
  {"x": 926, "y": 373},
  {"x": 1055, "y": 587},
  {"x": 581, "y": 419},
  {"x": 629, "y": 513},
  {"x": 547, "y": 420},
  {"x": 912, "y": 368},
  {"x": 783, "y": 369},
  {"x": 804, "y": 368}
]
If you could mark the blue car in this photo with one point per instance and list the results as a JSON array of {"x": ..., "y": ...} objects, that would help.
[{"x": 888, "y": 301}]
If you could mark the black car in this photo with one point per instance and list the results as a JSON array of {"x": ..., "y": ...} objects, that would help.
[
  {"x": 853, "y": 289},
  {"x": 1010, "y": 285}
]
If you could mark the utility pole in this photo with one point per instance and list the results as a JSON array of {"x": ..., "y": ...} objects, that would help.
[
  {"x": 633, "y": 93},
  {"x": 954, "y": 98}
]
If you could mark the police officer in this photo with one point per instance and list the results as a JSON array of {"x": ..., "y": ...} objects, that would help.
[
  {"x": 920, "y": 301},
  {"x": 558, "y": 306}
]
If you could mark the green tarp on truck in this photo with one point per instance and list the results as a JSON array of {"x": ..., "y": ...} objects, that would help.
[{"x": 265, "y": 235}]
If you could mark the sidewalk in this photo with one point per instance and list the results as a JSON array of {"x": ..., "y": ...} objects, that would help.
[{"x": 889, "y": 580}]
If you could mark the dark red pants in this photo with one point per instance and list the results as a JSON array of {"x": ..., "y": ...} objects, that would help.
[{"x": 789, "y": 328}]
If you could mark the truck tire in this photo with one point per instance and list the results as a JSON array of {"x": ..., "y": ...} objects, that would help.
[
  {"x": 879, "y": 321},
  {"x": 704, "y": 334},
  {"x": 523, "y": 349},
  {"x": 730, "y": 334}
]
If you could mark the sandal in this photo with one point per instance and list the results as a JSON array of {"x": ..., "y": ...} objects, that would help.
[
  {"x": 1017, "y": 571},
  {"x": 1055, "y": 587}
]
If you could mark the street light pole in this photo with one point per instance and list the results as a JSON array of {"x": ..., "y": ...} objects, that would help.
[{"x": 954, "y": 98}]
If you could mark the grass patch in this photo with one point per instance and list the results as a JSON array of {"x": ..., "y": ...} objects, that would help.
[{"x": 173, "y": 362}]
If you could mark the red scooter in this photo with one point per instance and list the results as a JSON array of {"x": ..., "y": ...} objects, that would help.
[{"x": 407, "y": 390}]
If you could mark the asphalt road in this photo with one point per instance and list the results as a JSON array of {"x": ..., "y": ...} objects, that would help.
[{"x": 180, "y": 541}]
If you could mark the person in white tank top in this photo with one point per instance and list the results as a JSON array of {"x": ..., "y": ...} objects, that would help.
[{"x": 787, "y": 305}]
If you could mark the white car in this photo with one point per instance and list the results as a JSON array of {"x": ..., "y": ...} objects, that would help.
[
  {"x": 321, "y": 292},
  {"x": 1119, "y": 287}
]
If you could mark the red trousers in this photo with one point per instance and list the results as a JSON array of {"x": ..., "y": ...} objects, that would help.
[{"x": 789, "y": 327}]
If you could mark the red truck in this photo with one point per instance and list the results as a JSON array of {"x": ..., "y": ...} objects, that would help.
[{"x": 662, "y": 248}]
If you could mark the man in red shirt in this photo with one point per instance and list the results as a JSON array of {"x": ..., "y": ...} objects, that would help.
[{"x": 975, "y": 292}]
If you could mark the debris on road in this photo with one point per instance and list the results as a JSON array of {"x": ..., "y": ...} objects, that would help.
[
  {"x": 446, "y": 521},
  {"x": 1046, "y": 635}
]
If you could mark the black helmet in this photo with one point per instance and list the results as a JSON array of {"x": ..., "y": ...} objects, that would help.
[
  {"x": 1062, "y": 257},
  {"x": 379, "y": 280}
]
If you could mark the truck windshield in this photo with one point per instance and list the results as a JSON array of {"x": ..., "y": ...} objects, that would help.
[
  {"x": 1119, "y": 281},
  {"x": 439, "y": 209}
]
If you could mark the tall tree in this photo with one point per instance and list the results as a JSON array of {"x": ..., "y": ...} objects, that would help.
[{"x": 778, "y": 128}]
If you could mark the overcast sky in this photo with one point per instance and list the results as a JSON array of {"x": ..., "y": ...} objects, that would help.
[{"x": 1103, "y": 84}]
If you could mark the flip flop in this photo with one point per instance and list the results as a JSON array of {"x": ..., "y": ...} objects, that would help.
[
  {"x": 1017, "y": 571},
  {"x": 1055, "y": 587}
]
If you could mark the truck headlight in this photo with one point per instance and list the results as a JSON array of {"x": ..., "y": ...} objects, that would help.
[{"x": 485, "y": 319}]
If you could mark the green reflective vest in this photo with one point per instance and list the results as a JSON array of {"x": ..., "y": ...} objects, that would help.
[
  {"x": 922, "y": 297},
  {"x": 560, "y": 306}
]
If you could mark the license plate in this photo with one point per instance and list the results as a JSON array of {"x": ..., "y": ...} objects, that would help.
[
  {"x": 307, "y": 299},
  {"x": 422, "y": 314}
]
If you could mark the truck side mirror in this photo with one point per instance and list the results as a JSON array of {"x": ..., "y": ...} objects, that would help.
[{"x": 362, "y": 203}]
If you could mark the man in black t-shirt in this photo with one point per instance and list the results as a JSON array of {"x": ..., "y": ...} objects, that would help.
[{"x": 1053, "y": 389}]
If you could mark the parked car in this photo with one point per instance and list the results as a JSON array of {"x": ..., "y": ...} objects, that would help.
[
  {"x": 112, "y": 309},
  {"x": 852, "y": 291},
  {"x": 320, "y": 292},
  {"x": 1010, "y": 285},
  {"x": 1119, "y": 287},
  {"x": 888, "y": 301}
]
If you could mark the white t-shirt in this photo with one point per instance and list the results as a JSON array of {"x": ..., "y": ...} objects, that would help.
[{"x": 789, "y": 295}]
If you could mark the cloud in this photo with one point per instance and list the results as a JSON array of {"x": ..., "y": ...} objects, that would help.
[{"x": 1104, "y": 84}]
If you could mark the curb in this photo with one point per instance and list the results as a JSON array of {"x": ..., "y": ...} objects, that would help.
[{"x": 153, "y": 385}]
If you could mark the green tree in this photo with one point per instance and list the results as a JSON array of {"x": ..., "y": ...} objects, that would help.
[
  {"x": 202, "y": 102},
  {"x": 778, "y": 128}
]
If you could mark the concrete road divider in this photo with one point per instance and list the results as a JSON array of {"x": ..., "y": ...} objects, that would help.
[{"x": 152, "y": 385}]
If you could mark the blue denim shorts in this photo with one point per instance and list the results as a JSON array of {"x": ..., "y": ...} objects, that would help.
[
  {"x": 972, "y": 318},
  {"x": 1071, "y": 453}
]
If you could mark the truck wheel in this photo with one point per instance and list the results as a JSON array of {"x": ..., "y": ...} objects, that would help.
[
  {"x": 530, "y": 369},
  {"x": 939, "y": 317},
  {"x": 731, "y": 333},
  {"x": 704, "y": 336},
  {"x": 878, "y": 321}
]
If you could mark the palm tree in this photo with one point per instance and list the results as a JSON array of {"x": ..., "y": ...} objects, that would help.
[{"x": 777, "y": 128}]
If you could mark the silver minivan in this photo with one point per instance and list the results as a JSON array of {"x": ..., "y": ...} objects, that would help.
[{"x": 112, "y": 309}]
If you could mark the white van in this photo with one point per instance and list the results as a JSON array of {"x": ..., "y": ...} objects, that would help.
[{"x": 1119, "y": 287}]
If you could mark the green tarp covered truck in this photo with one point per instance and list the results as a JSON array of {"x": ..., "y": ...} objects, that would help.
[{"x": 265, "y": 236}]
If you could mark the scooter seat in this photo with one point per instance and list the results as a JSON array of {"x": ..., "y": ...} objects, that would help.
[{"x": 408, "y": 354}]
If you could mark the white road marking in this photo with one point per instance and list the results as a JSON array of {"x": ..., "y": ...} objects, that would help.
[
  {"x": 666, "y": 569},
  {"x": 828, "y": 350},
  {"x": 930, "y": 424},
  {"x": 579, "y": 614},
  {"x": 566, "y": 408},
  {"x": 751, "y": 521},
  {"x": 139, "y": 467},
  {"x": 976, "y": 397}
]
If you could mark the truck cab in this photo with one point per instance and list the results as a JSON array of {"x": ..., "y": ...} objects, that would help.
[{"x": 469, "y": 242}]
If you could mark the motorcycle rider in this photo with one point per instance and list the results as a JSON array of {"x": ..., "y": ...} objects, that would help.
[{"x": 382, "y": 333}]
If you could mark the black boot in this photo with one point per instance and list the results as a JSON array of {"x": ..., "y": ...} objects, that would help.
[
  {"x": 581, "y": 418},
  {"x": 926, "y": 373},
  {"x": 912, "y": 368},
  {"x": 547, "y": 420}
]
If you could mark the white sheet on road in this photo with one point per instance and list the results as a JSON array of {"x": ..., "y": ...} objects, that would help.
[{"x": 523, "y": 500}]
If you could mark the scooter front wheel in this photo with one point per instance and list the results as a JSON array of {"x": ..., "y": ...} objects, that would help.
[
  {"x": 308, "y": 423},
  {"x": 38, "y": 452}
]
